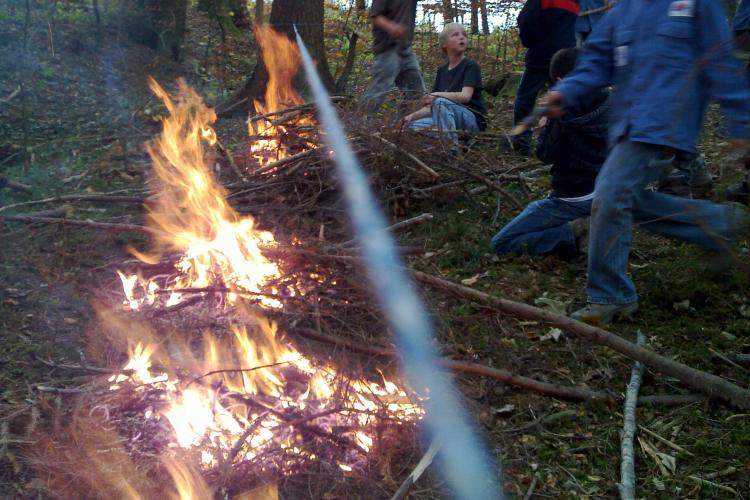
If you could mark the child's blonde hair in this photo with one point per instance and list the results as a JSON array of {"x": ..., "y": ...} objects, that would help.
[{"x": 447, "y": 30}]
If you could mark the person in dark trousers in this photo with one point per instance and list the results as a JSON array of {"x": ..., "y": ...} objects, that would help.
[
  {"x": 664, "y": 59},
  {"x": 576, "y": 146},
  {"x": 741, "y": 26},
  {"x": 455, "y": 102},
  {"x": 395, "y": 63},
  {"x": 545, "y": 26}
]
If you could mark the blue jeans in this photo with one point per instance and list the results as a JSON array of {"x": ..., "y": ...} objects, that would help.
[
  {"x": 448, "y": 116},
  {"x": 620, "y": 199},
  {"x": 542, "y": 228},
  {"x": 398, "y": 67},
  {"x": 532, "y": 82}
]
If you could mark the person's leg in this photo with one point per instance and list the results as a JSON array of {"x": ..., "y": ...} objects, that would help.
[
  {"x": 624, "y": 175},
  {"x": 543, "y": 227},
  {"x": 422, "y": 123},
  {"x": 385, "y": 69},
  {"x": 409, "y": 78},
  {"x": 688, "y": 177},
  {"x": 449, "y": 116},
  {"x": 532, "y": 82},
  {"x": 700, "y": 222}
]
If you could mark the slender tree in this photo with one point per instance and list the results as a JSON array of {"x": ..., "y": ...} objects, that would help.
[
  {"x": 448, "y": 14},
  {"x": 159, "y": 24},
  {"x": 259, "y": 11},
  {"x": 485, "y": 21},
  {"x": 474, "y": 17}
]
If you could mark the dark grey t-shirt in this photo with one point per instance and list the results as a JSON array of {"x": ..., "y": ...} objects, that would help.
[
  {"x": 399, "y": 11},
  {"x": 465, "y": 74}
]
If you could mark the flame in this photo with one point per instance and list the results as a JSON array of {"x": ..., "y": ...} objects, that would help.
[
  {"x": 249, "y": 392},
  {"x": 192, "y": 217},
  {"x": 282, "y": 60}
]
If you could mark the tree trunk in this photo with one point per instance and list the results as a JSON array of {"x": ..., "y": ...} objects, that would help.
[
  {"x": 485, "y": 21},
  {"x": 239, "y": 11},
  {"x": 308, "y": 16},
  {"x": 447, "y": 12},
  {"x": 159, "y": 24},
  {"x": 474, "y": 17},
  {"x": 360, "y": 5},
  {"x": 259, "y": 11}
]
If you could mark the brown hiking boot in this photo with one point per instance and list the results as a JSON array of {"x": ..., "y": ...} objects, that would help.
[
  {"x": 603, "y": 314},
  {"x": 689, "y": 179}
]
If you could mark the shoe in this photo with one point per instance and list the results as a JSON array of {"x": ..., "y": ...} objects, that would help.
[
  {"x": 739, "y": 193},
  {"x": 580, "y": 228},
  {"x": 688, "y": 179},
  {"x": 603, "y": 314},
  {"x": 739, "y": 219}
]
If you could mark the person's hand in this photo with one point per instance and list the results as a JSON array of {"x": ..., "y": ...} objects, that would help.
[
  {"x": 553, "y": 100},
  {"x": 427, "y": 100},
  {"x": 397, "y": 31},
  {"x": 542, "y": 122},
  {"x": 406, "y": 120}
]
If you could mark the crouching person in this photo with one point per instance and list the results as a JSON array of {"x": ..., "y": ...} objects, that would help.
[
  {"x": 576, "y": 146},
  {"x": 456, "y": 101}
]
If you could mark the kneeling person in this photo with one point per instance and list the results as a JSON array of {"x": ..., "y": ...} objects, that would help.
[
  {"x": 576, "y": 146},
  {"x": 456, "y": 101}
]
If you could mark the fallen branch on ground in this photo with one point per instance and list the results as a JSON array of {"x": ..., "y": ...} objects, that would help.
[
  {"x": 106, "y": 226},
  {"x": 626, "y": 486},
  {"x": 425, "y": 169},
  {"x": 94, "y": 198},
  {"x": 5, "y": 182},
  {"x": 395, "y": 227},
  {"x": 546, "y": 388},
  {"x": 706, "y": 383},
  {"x": 421, "y": 466}
]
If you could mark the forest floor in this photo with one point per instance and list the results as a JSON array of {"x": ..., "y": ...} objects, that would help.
[{"x": 84, "y": 115}]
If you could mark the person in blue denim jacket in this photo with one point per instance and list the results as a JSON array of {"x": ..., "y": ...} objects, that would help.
[
  {"x": 576, "y": 146},
  {"x": 665, "y": 58},
  {"x": 586, "y": 22}
]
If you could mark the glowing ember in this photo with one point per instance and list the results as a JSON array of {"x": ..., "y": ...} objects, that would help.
[{"x": 268, "y": 405}]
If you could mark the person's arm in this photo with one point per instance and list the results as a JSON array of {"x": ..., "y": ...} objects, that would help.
[
  {"x": 460, "y": 97},
  {"x": 423, "y": 112},
  {"x": 593, "y": 71},
  {"x": 395, "y": 30},
  {"x": 720, "y": 69}
]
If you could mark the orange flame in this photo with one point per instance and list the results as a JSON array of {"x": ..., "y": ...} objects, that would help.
[
  {"x": 233, "y": 402},
  {"x": 281, "y": 58},
  {"x": 191, "y": 215}
]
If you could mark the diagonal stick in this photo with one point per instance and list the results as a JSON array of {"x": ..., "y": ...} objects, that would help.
[{"x": 465, "y": 463}]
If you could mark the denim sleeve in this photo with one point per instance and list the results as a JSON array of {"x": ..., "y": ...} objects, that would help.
[
  {"x": 741, "y": 19},
  {"x": 594, "y": 68},
  {"x": 721, "y": 72}
]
